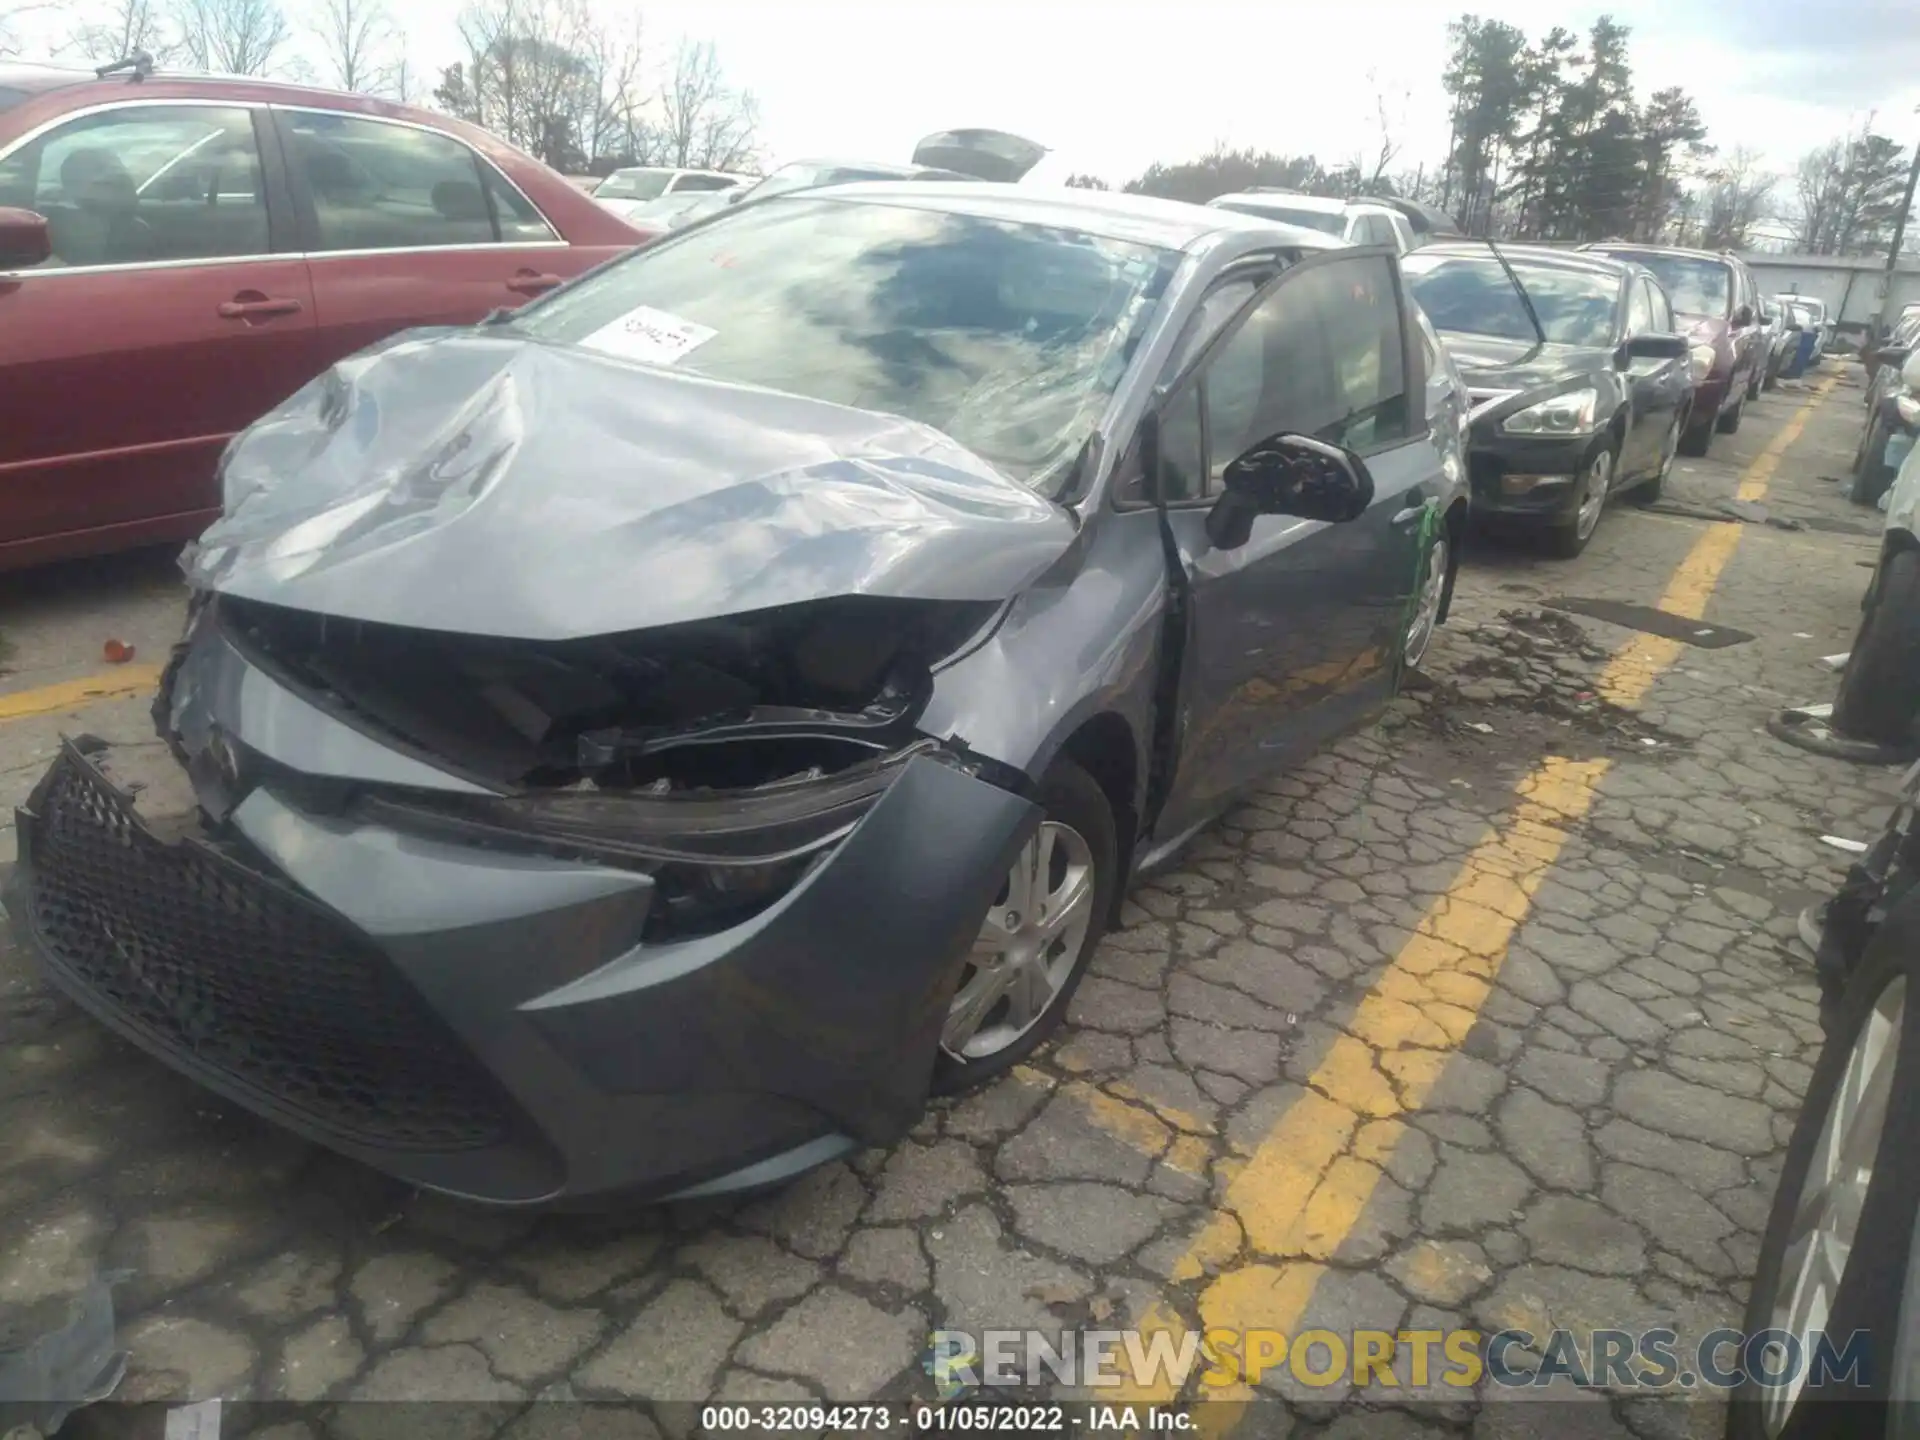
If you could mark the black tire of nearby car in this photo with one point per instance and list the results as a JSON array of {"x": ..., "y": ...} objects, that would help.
[
  {"x": 1871, "y": 473},
  {"x": 1773, "y": 374},
  {"x": 1879, "y": 695},
  {"x": 1071, "y": 796},
  {"x": 1753, "y": 381},
  {"x": 1565, "y": 541},
  {"x": 1648, "y": 491},
  {"x": 1880, "y": 1265},
  {"x": 1697, "y": 437},
  {"x": 1729, "y": 421}
]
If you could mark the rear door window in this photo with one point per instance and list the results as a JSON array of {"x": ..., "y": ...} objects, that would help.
[
  {"x": 144, "y": 184},
  {"x": 376, "y": 185}
]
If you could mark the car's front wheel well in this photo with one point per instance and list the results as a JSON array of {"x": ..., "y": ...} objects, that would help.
[{"x": 1104, "y": 747}]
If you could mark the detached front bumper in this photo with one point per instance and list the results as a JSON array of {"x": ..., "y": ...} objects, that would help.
[{"x": 485, "y": 1020}]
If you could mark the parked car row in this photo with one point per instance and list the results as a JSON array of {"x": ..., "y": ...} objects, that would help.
[{"x": 651, "y": 194}]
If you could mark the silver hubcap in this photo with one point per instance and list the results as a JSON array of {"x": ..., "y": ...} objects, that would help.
[
  {"x": 1032, "y": 935},
  {"x": 1838, "y": 1178},
  {"x": 1593, "y": 498},
  {"x": 1426, "y": 612}
]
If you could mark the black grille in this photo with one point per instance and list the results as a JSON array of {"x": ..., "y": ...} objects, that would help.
[{"x": 208, "y": 961}]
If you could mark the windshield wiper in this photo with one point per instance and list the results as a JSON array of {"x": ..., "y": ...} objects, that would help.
[{"x": 1526, "y": 300}]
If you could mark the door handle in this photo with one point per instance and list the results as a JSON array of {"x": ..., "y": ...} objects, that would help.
[
  {"x": 526, "y": 282},
  {"x": 254, "y": 306},
  {"x": 1411, "y": 515}
]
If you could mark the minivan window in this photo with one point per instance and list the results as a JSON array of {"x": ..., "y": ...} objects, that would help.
[
  {"x": 1009, "y": 337},
  {"x": 146, "y": 183}
]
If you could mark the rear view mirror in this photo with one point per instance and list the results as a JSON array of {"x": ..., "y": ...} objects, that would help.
[
  {"x": 1656, "y": 346},
  {"x": 24, "y": 240},
  {"x": 1289, "y": 474}
]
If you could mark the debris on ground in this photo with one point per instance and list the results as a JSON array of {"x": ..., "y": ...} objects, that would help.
[
  {"x": 117, "y": 652},
  {"x": 57, "y": 1356},
  {"x": 1840, "y": 842}
]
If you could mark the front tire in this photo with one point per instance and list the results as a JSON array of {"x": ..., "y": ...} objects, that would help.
[
  {"x": 1838, "y": 1256},
  {"x": 1729, "y": 421},
  {"x": 1697, "y": 437},
  {"x": 1596, "y": 488},
  {"x": 1037, "y": 937},
  {"x": 1879, "y": 695},
  {"x": 1871, "y": 473}
]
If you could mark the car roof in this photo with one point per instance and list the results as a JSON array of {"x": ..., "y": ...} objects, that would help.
[
  {"x": 1540, "y": 256},
  {"x": 1611, "y": 247},
  {"x": 40, "y": 77},
  {"x": 1292, "y": 199},
  {"x": 1144, "y": 219}
]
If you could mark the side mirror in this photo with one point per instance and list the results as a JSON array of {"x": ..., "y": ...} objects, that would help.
[
  {"x": 1894, "y": 355},
  {"x": 1743, "y": 316},
  {"x": 1657, "y": 346},
  {"x": 1289, "y": 474},
  {"x": 24, "y": 240}
]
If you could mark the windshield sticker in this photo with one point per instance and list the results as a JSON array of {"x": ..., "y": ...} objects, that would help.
[{"x": 650, "y": 335}]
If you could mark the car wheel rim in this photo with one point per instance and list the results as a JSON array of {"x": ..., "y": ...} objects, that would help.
[
  {"x": 1028, "y": 944},
  {"x": 1827, "y": 1218},
  {"x": 1426, "y": 612},
  {"x": 1593, "y": 499}
]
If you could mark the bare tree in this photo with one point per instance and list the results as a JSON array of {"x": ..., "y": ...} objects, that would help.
[
  {"x": 1372, "y": 172},
  {"x": 1818, "y": 183},
  {"x": 232, "y": 37},
  {"x": 550, "y": 78},
  {"x": 1736, "y": 197},
  {"x": 705, "y": 122},
  {"x": 11, "y": 42},
  {"x": 358, "y": 45},
  {"x": 115, "y": 29}
]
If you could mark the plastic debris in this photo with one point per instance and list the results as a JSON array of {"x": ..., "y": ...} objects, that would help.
[
  {"x": 1481, "y": 726},
  {"x": 1837, "y": 662},
  {"x": 117, "y": 652},
  {"x": 1840, "y": 842},
  {"x": 45, "y": 1378}
]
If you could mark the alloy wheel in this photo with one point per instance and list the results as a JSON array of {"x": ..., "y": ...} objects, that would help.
[
  {"x": 1593, "y": 494},
  {"x": 1027, "y": 947},
  {"x": 1426, "y": 609},
  {"x": 1827, "y": 1218}
]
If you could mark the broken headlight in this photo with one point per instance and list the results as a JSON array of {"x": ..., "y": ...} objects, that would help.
[{"x": 716, "y": 856}]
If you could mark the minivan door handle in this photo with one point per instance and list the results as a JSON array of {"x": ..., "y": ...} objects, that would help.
[
  {"x": 529, "y": 282},
  {"x": 252, "y": 305}
]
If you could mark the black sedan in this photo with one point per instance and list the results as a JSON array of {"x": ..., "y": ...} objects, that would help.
[{"x": 1579, "y": 384}]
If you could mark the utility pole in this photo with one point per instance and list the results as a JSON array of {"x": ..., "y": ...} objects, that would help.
[{"x": 1899, "y": 238}]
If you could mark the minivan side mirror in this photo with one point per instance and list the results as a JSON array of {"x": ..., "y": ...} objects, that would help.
[
  {"x": 1653, "y": 345},
  {"x": 1288, "y": 474},
  {"x": 1743, "y": 316},
  {"x": 24, "y": 240}
]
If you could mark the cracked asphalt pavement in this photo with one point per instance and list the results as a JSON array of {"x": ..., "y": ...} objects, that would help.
[{"x": 1492, "y": 1014}]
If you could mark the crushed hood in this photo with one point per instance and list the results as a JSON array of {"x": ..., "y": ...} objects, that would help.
[{"x": 481, "y": 483}]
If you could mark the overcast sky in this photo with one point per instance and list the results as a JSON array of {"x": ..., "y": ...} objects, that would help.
[{"x": 1111, "y": 87}]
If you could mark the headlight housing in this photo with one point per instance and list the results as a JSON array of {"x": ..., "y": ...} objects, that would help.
[
  {"x": 1700, "y": 362},
  {"x": 1568, "y": 414}
]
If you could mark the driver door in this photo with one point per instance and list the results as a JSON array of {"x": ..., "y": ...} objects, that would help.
[{"x": 1292, "y": 637}]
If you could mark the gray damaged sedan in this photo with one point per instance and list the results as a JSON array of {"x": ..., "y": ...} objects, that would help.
[{"x": 641, "y": 746}]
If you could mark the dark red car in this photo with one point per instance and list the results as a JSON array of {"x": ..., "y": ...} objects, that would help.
[
  {"x": 1717, "y": 302},
  {"x": 179, "y": 255}
]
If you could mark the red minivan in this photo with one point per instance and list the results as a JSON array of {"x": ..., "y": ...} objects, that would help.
[{"x": 179, "y": 255}]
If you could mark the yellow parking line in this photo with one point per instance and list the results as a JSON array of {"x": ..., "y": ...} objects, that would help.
[
  {"x": 1305, "y": 1187},
  {"x": 114, "y": 684}
]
